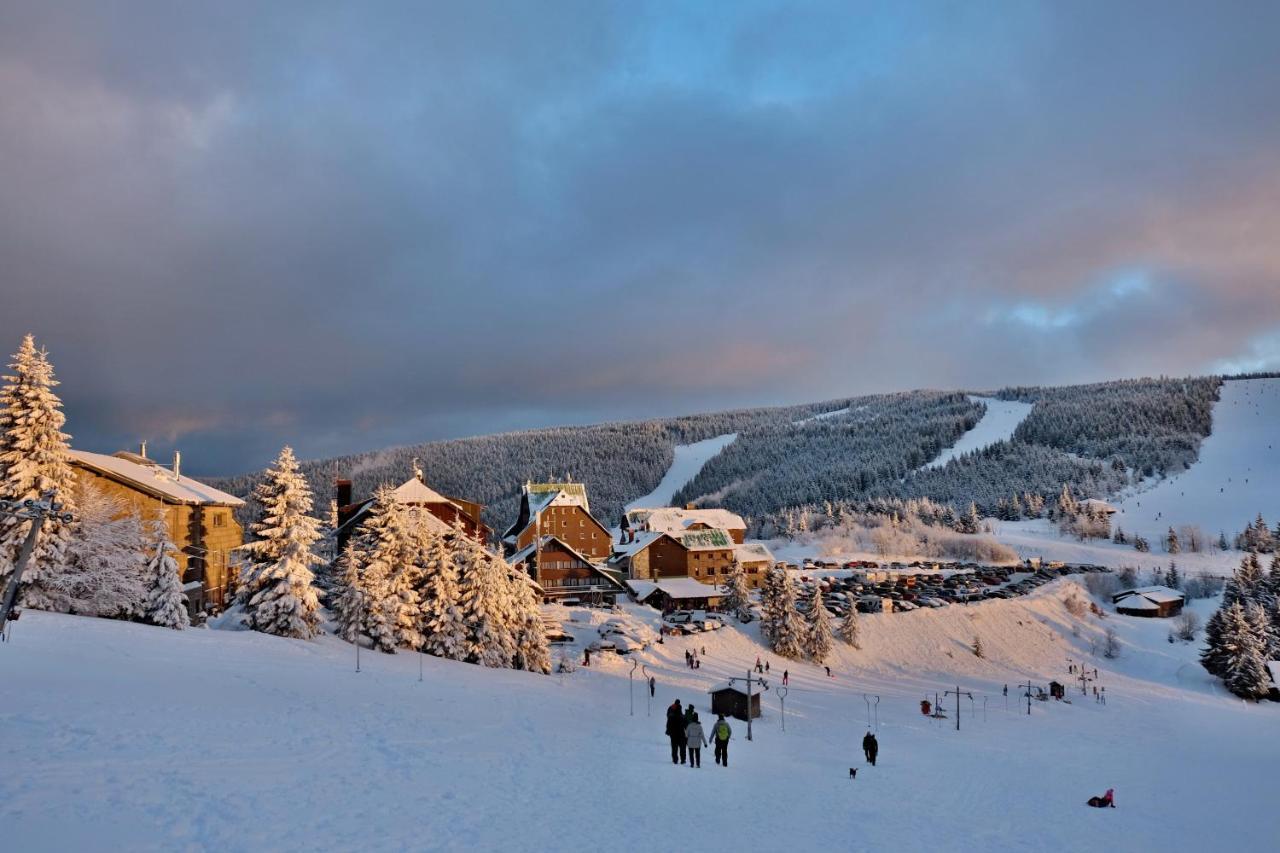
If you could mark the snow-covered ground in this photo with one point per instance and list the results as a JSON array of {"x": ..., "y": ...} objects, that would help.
[
  {"x": 997, "y": 424},
  {"x": 121, "y": 736},
  {"x": 689, "y": 459},
  {"x": 1236, "y": 477}
]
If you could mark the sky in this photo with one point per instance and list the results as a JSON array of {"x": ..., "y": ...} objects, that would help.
[{"x": 344, "y": 226}]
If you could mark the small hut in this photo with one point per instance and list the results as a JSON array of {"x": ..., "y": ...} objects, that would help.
[
  {"x": 1149, "y": 601},
  {"x": 730, "y": 698}
]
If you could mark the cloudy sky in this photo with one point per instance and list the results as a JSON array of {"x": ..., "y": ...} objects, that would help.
[{"x": 349, "y": 225}]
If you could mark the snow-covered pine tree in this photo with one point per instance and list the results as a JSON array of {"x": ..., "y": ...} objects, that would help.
[
  {"x": 532, "y": 653},
  {"x": 165, "y": 605},
  {"x": 1213, "y": 657},
  {"x": 1140, "y": 544},
  {"x": 978, "y": 651},
  {"x": 848, "y": 628},
  {"x": 1245, "y": 666},
  {"x": 1248, "y": 580},
  {"x": 277, "y": 594},
  {"x": 770, "y": 591},
  {"x": 736, "y": 596},
  {"x": 1119, "y": 537},
  {"x": 1172, "y": 578},
  {"x": 384, "y": 544},
  {"x": 789, "y": 629},
  {"x": 348, "y": 597},
  {"x": 443, "y": 629},
  {"x": 1273, "y": 575},
  {"x": 1223, "y": 545},
  {"x": 817, "y": 635},
  {"x": 1171, "y": 543},
  {"x": 485, "y": 602},
  {"x": 104, "y": 573},
  {"x": 34, "y": 460}
]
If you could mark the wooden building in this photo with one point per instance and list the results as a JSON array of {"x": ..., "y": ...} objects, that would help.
[
  {"x": 667, "y": 594},
  {"x": 647, "y": 556},
  {"x": 711, "y": 554},
  {"x": 200, "y": 519},
  {"x": 730, "y": 698},
  {"x": 560, "y": 510},
  {"x": 756, "y": 560},
  {"x": 440, "y": 512},
  {"x": 564, "y": 573},
  {"x": 1149, "y": 601}
]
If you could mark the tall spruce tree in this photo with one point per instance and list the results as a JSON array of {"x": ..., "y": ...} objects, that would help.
[
  {"x": 848, "y": 628},
  {"x": 817, "y": 636},
  {"x": 485, "y": 600},
  {"x": 532, "y": 653},
  {"x": 443, "y": 628},
  {"x": 1244, "y": 665},
  {"x": 347, "y": 601},
  {"x": 34, "y": 459},
  {"x": 736, "y": 596},
  {"x": 278, "y": 595},
  {"x": 789, "y": 628},
  {"x": 384, "y": 544},
  {"x": 165, "y": 603}
]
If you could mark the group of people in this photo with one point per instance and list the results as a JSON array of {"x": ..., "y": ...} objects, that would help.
[
  {"x": 684, "y": 728},
  {"x": 761, "y": 667},
  {"x": 870, "y": 748},
  {"x": 691, "y": 658}
]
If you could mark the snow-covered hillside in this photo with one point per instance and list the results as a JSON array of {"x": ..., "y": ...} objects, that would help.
[
  {"x": 1235, "y": 478},
  {"x": 122, "y": 736},
  {"x": 689, "y": 459},
  {"x": 998, "y": 423}
]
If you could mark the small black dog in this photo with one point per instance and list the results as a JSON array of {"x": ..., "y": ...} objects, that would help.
[{"x": 853, "y": 773}]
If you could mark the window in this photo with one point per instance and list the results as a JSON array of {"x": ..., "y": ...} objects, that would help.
[{"x": 219, "y": 519}]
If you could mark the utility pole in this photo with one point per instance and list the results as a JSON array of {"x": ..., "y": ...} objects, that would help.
[
  {"x": 748, "y": 703},
  {"x": 36, "y": 512},
  {"x": 1029, "y": 685},
  {"x": 958, "y": 693}
]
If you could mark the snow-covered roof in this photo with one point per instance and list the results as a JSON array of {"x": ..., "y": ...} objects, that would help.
[
  {"x": 672, "y": 520},
  {"x": 630, "y": 549},
  {"x": 1096, "y": 504},
  {"x": 1157, "y": 594},
  {"x": 548, "y": 541},
  {"x": 706, "y": 540},
  {"x": 543, "y": 495},
  {"x": 739, "y": 686},
  {"x": 753, "y": 552},
  {"x": 414, "y": 491},
  {"x": 154, "y": 478},
  {"x": 1133, "y": 601},
  {"x": 675, "y": 588}
]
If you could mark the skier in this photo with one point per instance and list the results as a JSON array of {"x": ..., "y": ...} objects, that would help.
[
  {"x": 870, "y": 746},
  {"x": 786, "y": 675},
  {"x": 828, "y": 669},
  {"x": 675, "y": 731},
  {"x": 721, "y": 733},
  {"x": 1107, "y": 800},
  {"x": 693, "y": 734}
]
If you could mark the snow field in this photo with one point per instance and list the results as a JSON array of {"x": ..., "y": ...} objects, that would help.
[
  {"x": 689, "y": 459},
  {"x": 122, "y": 736}
]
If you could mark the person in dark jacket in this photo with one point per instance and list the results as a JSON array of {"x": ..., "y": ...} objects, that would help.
[
  {"x": 675, "y": 731},
  {"x": 870, "y": 746},
  {"x": 690, "y": 714},
  {"x": 720, "y": 734},
  {"x": 1107, "y": 800}
]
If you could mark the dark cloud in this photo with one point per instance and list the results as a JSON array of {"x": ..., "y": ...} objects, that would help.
[{"x": 342, "y": 227}]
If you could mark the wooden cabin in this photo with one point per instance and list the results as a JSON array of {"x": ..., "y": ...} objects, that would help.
[
  {"x": 200, "y": 519},
  {"x": 730, "y": 698},
  {"x": 647, "y": 556},
  {"x": 1149, "y": 601},
  {"x": 710, "y": 555},
  {"x": 560, "y": 510},
  {"x": 440, "y": 512}
]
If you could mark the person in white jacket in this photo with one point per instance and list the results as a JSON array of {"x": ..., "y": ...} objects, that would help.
[{"x": 696, "y": 739}]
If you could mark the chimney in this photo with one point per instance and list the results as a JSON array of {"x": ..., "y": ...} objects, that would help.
[
  {"x": 177, "y": 463},
  {"x": 343, "y": 488},
  {"x": 142, "y": 449}
]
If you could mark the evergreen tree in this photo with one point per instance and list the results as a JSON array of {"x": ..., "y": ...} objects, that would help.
[
  {"x": 165, "y": 604},
  {"x": 817, "y": 637},
  {"x": 1245, "y": 666},
  {"x": 348, "y": 599},
  {"x": 977, "y": 647},
  {"x": 1172, "y": 579},
  {"x": 385, "y": 544},
  {"x": 770, "y": 592},
  {"x": 1248, "y": 580},
  {"x": 736, "y": 597},
  {"x": 443, "y": 630},
  {"x": 1140, "y": 544},
  {"x": 789, "y": 628},
  {"x": 1273, "y": 576},
  {"x": 485, "y": 602},
  {"x": 277, "y": 594},
  {"x": 848, "y": 628},
  {"x": 1119, "y": 537},
  {"x": 1214, "y": 655},
  {"x": 1222, "y": 541},
  {"x": 33, "y": 461},
  {"x": 532, "y": 653},
  {"x": 1171, "y": 543}
]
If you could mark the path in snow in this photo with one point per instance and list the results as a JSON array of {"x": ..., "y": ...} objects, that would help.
[
  {"x": 1001, "y": 419},
  {"x": 284, "y": 746},
  {"x": 689, "y": 459},
  {"x": 823, "y": 415},
  {"x": 1237, "y": 475}
]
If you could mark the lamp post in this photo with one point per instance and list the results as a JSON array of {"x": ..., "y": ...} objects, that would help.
[
  {"x": 631, "y": 686},
  {"x": 36, "y": 511},
  {"x": 648, "y": 683},
  {"x": 782, "y": 697}
]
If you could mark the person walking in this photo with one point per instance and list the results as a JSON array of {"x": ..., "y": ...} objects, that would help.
[
  {"x": 690, "y": 714},
  {"x": 766, "y": 666},
  {"x": 696, "y": 739},
  {"x": 675, "y": 731},
  {"x": 870, "y": 746},
  {"x": 786, "y": 676},
  {"x": 653, "y": 686},
  {"x": 720, "y": 735},
  {"x": 828, "y": 669}
]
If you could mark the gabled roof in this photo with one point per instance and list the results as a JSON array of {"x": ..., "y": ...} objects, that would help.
[
  {"x": 672, "y": 520},
  {"x": 753, "y": 552},
  {"x": 1158, "y": 594},
  {"x": 706, "y": 540},
  {"x": 412, "y": 492},
  {"x": 1133, "y": 601},
  {"x": 643, "y": 540},
  {"x": 154, "y": 479},
  {"x": 553, "y": 541},
  {"x": 675, "y": 588},
  {"x": 536, "y": 498}
]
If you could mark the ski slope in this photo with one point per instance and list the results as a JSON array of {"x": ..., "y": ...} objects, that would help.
[
  {"x": 689, "y": 459},
  {"x": 122, "y": 736},
  {"x": 997, "y": 424},
  {"x": 1236, "y": 477}
]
